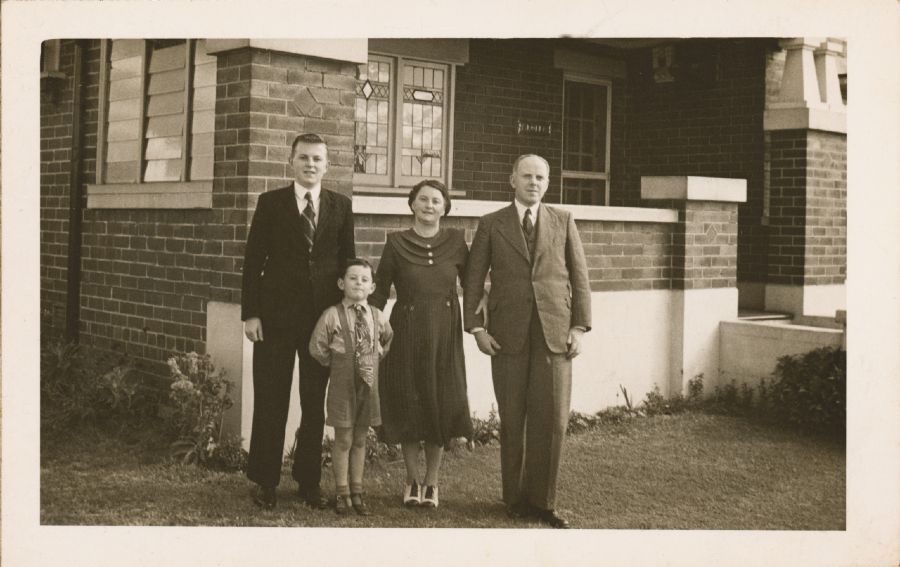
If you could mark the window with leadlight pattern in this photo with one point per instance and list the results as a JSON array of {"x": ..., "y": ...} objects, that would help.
[
  {"x": 160, "y": 118},
  {"x": 401, "y": 121},
  {"x": 585, "y": 175}
]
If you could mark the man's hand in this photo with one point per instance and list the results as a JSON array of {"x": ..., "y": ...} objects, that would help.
[
  {"x": 253, "y": 329},
  {"x": 486, "y": 343},
  {"x": 574, "y": 342},
  {"x": 483, "y": 309}
]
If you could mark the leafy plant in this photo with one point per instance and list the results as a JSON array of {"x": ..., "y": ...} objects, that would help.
[
  {"x": 810, "y": 390},
  {"x": 201, "y": 395},
  {"x": 486, "y": 431},
  {"x": 80, "y": 386}
]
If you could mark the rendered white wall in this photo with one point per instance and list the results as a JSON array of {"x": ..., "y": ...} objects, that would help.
[{"x": 750, "y": 349}]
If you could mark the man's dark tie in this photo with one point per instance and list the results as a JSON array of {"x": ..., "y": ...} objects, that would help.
[
  {"x": 364, "y": 345},
  {"x": 528, "y": 229},
  {"x": 309, "y": 222}
]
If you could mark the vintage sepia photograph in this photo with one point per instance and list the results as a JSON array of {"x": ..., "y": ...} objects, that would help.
[{"x": 365, "y": 285}]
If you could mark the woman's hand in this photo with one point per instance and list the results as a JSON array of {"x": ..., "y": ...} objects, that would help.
[{"x": 486, "y": 343}]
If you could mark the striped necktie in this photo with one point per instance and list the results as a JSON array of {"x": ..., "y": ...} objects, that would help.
[
  {"x": 528, "y": 229},
  {"x": 364, "y": 345},
  {"x": 309, "y": 222}
]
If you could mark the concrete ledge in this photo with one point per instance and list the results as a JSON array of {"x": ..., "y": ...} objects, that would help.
[
  {"x": 827, "y": 119},
  {"x": 177, "y": 195},
  {"x": 353, "y": 50},
  {"x": 691, "y": 188},
  {"x": 466, "y": 208}
]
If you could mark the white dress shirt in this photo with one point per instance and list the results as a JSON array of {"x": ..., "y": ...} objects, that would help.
[
  {"x": 300, "y": 194},
  {"x": 520, "y": 208}
]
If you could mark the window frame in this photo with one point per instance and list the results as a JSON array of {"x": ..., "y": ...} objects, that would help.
[
  {"x": 181, "y": 194},
  {"x": 397, "y": 182},
  {"x": 575, "y": 174}
]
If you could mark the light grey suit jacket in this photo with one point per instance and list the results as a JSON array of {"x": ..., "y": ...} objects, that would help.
[{"x": 557, "y": 280}]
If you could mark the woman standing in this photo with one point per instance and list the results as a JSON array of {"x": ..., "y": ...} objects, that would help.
[{"x": 423, "y": 384}]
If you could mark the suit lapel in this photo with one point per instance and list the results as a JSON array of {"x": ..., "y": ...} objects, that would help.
[
  {"x": 326, "y": 211},
  {"x": 547, "y": 228},
  {"x": 510, "y": 229},
  {"x": 289, "y": 202}
]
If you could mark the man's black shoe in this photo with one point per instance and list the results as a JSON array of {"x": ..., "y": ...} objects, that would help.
[
  {"x": 312, "y": 498},
  {"x": 552, "y": 519},
  {"x": 264, "y": 497},
  {"x": 519, "y": 510}
]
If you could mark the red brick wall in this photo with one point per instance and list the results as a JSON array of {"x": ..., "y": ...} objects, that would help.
[
  {"x": 708, "y": 122},
  {"x": 706, "y": 246},
  {"x": 620, "y": 255},
  {"x": 56, "y": 141},
  {"x": 787, "y": 206},
  {"x": 826, "y": 208}
]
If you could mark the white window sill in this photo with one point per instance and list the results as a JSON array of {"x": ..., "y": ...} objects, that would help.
[{"x": 173, "y": 195}]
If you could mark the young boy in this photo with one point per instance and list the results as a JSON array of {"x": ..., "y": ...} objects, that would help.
[{"x": 350, "y": 338}]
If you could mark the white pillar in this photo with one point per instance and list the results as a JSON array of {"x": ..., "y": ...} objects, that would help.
[
  {"x": 827, "y": 73},
  {"x": 800, "y": 84}
]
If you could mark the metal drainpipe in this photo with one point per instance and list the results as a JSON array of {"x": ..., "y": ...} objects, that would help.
[{"x": 73, "y": 298}]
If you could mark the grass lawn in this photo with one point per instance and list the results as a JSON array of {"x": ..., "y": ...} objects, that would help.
[{"x": 691, "y": 471}]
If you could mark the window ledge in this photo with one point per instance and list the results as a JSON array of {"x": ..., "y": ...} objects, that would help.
[
  {"x": 375, "y": 190},
  {"x": 174, "y": 195}
]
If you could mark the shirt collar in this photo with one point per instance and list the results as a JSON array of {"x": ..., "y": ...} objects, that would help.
[
  {"x": 349, "y": 304},
  {"x": 300, "y": 192},
  {"x": 520, "y": 208}
]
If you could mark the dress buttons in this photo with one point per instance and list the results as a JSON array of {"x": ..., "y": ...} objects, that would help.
[
  {"x": 430, "y": 254},
  {"x": 428, "y": 246},
  {"x": 448, "y": 304}
]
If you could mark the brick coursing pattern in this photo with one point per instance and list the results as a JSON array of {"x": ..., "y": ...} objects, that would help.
[
  {"x": 708, "y": 122},
  {"x": 808, "y": 216}
]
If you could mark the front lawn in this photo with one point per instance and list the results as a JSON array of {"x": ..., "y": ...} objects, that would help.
[{"x": 690, "y": 471}]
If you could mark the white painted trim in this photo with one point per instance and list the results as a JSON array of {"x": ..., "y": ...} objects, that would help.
[
  {"x": 467, "y": 208},
  {"x": 353, "y": 50},
  {"x": 691, "y": 188},
  {"x": 179, "y": 195},
  {"x": 827, "y": 119}
]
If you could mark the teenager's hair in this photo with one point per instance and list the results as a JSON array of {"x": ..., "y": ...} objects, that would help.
[
  {"x": 307, "y": 139},
  {"x": 436, "y": 185},
  {"x": 357, "y": 262}
]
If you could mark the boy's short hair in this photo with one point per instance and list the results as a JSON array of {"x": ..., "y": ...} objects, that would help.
[{"x": 357, "y": 262}]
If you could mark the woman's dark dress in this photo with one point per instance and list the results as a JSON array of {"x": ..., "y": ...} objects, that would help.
[{"x": 423, "y": 377}]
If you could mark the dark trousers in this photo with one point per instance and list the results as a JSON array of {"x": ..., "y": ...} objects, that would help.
[
  {"x": 273, "y": 368},
  {"x": 534, "y": 392}
]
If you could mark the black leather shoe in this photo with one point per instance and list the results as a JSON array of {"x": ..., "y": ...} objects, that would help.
[
  {"x": 552, "y": 519},
  {"x": 312, "y": 498},
  {"x": 519, "y": 510},
  {"x": 264, "y": 497}
]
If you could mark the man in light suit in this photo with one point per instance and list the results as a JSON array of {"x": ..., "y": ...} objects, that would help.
[
  {"x": 299, "y": 240},
  {"x": 538, "y": 309}
]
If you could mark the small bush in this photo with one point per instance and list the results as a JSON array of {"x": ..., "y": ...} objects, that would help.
[
  {"x": 201, "y": 395},
  {"x": 486, "y": 431},
  {"x": 81, "y": 386},
  {"x": 810, "y": 390}
]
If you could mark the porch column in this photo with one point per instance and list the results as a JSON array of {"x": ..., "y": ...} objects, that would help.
[
  {"x": 267, "y": 92},
  {"x": 807, "y": 150},
  {"x": 704, "y": 269}
]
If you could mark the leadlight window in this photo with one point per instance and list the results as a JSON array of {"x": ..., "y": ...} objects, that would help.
[
  {"x": 160, "y": 112},
  {"x": 402, "y": 108},
  {"x": 586, "y": 134}
]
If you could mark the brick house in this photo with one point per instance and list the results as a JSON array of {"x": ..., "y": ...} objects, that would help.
[{"x": 705, "y": 175}]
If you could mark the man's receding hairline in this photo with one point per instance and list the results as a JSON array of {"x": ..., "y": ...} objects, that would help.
[{"x": 523, "y": 157}]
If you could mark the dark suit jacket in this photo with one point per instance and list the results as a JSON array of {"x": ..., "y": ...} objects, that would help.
[
  {"x": 281, "y": 279},
  {"x": 557, "y": 280}
]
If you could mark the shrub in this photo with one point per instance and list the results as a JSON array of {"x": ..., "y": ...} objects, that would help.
[
  {"x": 810, "y": 390},
  {"x": 81, "y": 386},
  {"x": 201, "y": 395},
  {"x": 486, "y": 431}
]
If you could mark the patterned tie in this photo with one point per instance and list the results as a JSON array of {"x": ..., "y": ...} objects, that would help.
[
  {"x": 309, "y": 222},
  {"x": 364, "y": 346},
  {"x": 528, "y": 229}
]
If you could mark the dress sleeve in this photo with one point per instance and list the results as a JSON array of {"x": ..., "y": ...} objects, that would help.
[
  {"x": 319, "y": 342},
  {"x": 385, "y": 276}
]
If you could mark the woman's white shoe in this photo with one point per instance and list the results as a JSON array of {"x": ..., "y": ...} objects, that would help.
[
  {"x": 412, "y": 494},
  {"x": 430, "y": 498}
]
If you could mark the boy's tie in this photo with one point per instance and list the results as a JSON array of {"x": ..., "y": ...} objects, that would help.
[{"x": 363, "y": 345}]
